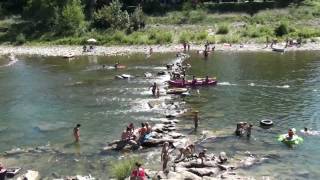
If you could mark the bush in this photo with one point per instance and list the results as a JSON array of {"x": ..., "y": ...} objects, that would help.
[
  {"x": 282, "y": 29},
  {"x": 72, "y": 18},
  {"x": 160, "y": 37},
  {"x": 123, "y": 168},
  {"x": 196, "y": 16},
  {"x": 202, "y": 35},
  {"x": 20, "y": 39},
  {"x": 223, "y": 29},
  {"x": 211, "y": 39},
  {"x": 229, "y": 39}
]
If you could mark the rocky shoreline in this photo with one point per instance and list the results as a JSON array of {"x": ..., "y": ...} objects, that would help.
[{"x": 57, "y": 50}]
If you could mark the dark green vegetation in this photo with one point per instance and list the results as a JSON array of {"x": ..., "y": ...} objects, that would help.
[{"x": 156, "y": 22}]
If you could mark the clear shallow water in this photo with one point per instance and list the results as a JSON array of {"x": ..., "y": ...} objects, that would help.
[{"x": 43, "y": 98}]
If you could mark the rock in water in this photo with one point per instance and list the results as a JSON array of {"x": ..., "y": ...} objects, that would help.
[
  {"x": 223, "y": 157},
  {"x": 30, "y": 175}
]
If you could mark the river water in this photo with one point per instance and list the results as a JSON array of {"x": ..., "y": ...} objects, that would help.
[{"x": 42, "y": 98}]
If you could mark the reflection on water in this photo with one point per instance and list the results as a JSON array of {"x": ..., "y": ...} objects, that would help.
[{"x": 43, "y": 98}]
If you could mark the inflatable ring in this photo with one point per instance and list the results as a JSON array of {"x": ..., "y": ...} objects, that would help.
[{"x": 266, "y": 122}]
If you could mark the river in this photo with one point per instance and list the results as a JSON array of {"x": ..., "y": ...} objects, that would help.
[{"x": 42, "y": 98}]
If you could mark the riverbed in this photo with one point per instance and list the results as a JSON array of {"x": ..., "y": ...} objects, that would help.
[{"x": 42, "y": 98}]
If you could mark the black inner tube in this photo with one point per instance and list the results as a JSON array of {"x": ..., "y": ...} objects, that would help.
[{"x": 266, "y": 122}]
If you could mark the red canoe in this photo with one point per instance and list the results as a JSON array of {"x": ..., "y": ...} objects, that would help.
[{"x": 179, "y": 83}]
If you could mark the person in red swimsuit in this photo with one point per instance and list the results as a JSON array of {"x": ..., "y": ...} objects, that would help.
[
  {"x": 138, "y": 173},
  {"x": 3, "y": 172}
]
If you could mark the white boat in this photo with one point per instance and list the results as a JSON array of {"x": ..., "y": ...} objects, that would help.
[
  {"x": 278, "y": 49},
  {"x": 11, "y": 172},
  {"x": 70, "y": 55}
]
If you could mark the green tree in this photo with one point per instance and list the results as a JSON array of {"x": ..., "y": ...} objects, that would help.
[
  {"x": 137, "y": 19},
  {"x": 72, "y": 18},
  {"x": 112, "y": 16},
  {"x": 42, "y": 12}
]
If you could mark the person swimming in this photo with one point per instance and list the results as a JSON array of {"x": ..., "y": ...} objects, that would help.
[
  {"x": 186, "y": 152},
  {"x": 307, "y": 131},
  {"x": 290, "y": 134}
]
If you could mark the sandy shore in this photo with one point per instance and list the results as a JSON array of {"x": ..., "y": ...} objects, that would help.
[{"x": 121, "y": 50}]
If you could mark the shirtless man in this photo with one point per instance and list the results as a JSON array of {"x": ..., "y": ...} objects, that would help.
[
  {"x": 154, "y": 88},
  {"x": 186, "y": 152},
  {"x": 165, "y": 156},
  {"x": 76, "y": 132}
]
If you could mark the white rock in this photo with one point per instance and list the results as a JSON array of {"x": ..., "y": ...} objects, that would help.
[{"x": 30, "y": 175}]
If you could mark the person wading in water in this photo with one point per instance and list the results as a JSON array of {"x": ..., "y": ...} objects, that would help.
[{"x": 76, "y": 132}]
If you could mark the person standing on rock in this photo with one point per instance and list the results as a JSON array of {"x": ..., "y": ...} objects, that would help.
[
  {"x": 196, "y": 120},
  {"x": 249, "y": 130},
  {"x": 138, "y": 173},
  {"x": 76, "y": 132},
  {"x": 154, "y": 89},
  {"x": 165, "y": 156}
]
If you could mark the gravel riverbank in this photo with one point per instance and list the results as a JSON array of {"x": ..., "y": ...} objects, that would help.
[{"x": 122, "y": 50}]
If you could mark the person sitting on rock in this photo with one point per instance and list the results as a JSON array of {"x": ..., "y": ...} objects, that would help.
[
  {"x": 142, "y": 132},
  {"x": 148, "y": 127},
  {"x": 202, "y": 155},
  {"x": 186, "y": 152},
  {"x": 127, "y": 138},
  {"x": 127, "y": 135},
  {"x": 131, "y": 127}
]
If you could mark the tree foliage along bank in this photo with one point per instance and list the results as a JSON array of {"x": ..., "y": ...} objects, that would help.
[{"x": 72, "y": 20}]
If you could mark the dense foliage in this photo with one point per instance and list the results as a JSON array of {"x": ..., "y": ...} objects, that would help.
[{"x": 155, "y": 21}]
